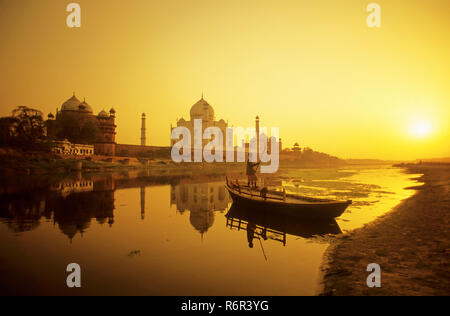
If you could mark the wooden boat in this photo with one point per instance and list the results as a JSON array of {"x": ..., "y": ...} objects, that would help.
[{"x": 288, "y": 204}]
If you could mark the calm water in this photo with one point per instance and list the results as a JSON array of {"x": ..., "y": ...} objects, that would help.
[{"x": 143, "y": 236}]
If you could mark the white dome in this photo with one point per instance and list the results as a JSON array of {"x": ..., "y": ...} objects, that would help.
[{"x": 202, "y": 110}]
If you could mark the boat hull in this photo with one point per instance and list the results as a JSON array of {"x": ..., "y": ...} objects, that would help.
[{"x": 322, "y": 211}]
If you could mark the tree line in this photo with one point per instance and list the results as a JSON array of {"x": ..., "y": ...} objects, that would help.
[{"x": 26, "y": 128}]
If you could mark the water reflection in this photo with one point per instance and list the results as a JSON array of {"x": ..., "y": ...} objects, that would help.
[
  {"x": 71, "y": 204},
  {"x": 161, "y": 218},
  {"x": 260, "y": 224},
  {"x": 201, "y": 200},
  {"x": 142, "y": 195}
]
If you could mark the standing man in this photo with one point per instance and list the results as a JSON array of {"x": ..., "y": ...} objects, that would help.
[{"x": 251, "y": 173}]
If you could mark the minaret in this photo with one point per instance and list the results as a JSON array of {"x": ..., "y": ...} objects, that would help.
[
  {"x": 257, "y": 137},
  {"x": 143, "y": 140}
]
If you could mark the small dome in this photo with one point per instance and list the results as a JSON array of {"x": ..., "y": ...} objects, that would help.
[
  {"x": 71, "y": 104},
  {"x": 103, "y": 113},
  {"x": 182, "y": 120},
  {"x": 202, "y": 110},
  {"x": 85, "y": 107},
  {"x": 50, "y": 116},
  {"x": 112, "y": 111}
]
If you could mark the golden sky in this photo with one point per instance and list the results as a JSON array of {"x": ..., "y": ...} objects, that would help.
[{"x": 312, "y": 68}]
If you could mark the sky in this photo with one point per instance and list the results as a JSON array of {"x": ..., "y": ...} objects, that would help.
[{"x": 312, "y": 68}]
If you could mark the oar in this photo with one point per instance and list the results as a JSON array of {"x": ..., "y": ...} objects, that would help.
[{"x": 262, "y": 248}]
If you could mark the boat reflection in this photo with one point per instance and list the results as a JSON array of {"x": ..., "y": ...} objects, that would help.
[{"x": 266, "y": 225}]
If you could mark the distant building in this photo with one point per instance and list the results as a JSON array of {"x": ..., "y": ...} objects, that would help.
[
  {"x": 143, "y": 131},
  {"x": 267, "y": 147},
  {"x": 105, "y": 144},
  {"x": 67, "y": 148},
  {"x": 83, "y": 113},
  {"x": 204, "y": 111},
  {"x": 296, "y": 148}
]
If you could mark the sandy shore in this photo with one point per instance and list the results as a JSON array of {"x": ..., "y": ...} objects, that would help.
[{"x": 411, "y": 244}]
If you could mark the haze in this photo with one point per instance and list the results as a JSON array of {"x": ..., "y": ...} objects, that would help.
[{"x": 312, "y": 68}]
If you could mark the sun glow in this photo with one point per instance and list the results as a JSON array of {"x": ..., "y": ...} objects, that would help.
[{"x": 421, "y": 129}]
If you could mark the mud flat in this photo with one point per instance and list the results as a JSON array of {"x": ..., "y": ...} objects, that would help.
[{"x": 411, "y": 243}]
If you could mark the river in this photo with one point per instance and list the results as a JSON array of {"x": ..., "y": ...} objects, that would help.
[{"x": 133, "y": 234}]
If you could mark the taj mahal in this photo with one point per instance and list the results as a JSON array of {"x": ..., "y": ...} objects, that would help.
[{"x": 204, "y": 111}]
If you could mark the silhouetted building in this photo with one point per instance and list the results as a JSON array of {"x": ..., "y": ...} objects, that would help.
[
  {"x": 143, "y": 131},
  {"x": 67, "y": 148},
  {"x": 83, "y": 113},
  {"x": 204, "y": 111},
  {"x": 258, "y": 135}
]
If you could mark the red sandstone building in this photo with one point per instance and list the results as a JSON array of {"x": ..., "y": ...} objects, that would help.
[
  {"x": 82, "y": 112},
  {"x": 73, "y": 110}
]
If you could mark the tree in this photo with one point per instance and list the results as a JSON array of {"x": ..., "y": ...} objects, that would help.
[
  {"x": 29, "y": 126},
  {"x": 7, "y": 130}
]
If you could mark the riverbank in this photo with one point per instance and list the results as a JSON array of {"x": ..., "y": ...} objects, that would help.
[
  {"x": 411, "y": 244},
  {"x": 38, "y": 163},
  {"x": 17, "y": 163}
]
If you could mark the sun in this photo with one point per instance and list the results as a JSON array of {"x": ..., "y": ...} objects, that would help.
[{"x": 421, "y": 129}]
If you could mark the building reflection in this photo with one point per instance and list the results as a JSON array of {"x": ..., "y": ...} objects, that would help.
[
  {"x": 65, "y": 188},
  {"x": 23, "y": 212},
  {"x": 142, "y": 193},
  {"x": 72, "y": 204},
  {"x": 73, "y": 213},
  {"x": 201, "y": 200}
]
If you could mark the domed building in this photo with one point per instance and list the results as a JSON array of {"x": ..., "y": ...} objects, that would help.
[
  {"x": 83, "y": 113},
  {"x": 72, "y": 104},
  {"x": 204, "y": 111}
]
